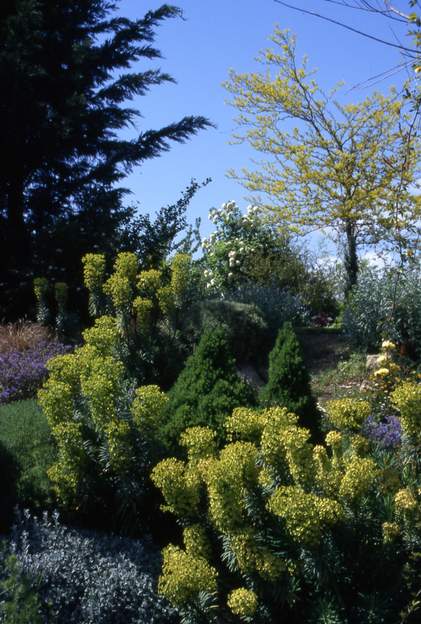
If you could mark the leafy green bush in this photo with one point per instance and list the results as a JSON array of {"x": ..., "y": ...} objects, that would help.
[
  {"x": 277, "y": 529},
  {"x": 385, "y": 305},
  {"x": 26, "y": 438},
  {"x": 8, "y": 488},
  {"x": 289, "y": 382},
  {"x": 208, "y": 388},
  {"x": 19, "y": 601},
  {"x": 247, "y": 330},
  {"x": 247, "y": 249},
  {"x": 152, "y": 309}
]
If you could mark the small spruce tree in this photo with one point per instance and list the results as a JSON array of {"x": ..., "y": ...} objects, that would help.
[
  {"x": 208, "y": 388},
  {"x": 289, "y": 382}
]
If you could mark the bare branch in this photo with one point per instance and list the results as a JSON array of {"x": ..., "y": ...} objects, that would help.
[{"x": 412, "y": 51}]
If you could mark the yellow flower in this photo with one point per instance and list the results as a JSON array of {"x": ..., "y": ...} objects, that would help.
[
  {"x": 126, "y": 265},
  {"x": 359, "y": 477},
  {"x": 305, "y": 515},
  {"x": 93, "y": 270},
  {"x": 405, "y": 500},
  {"x": 143, "y": 310},
  {"x": 388, "y": 345},
  {"x": 179, "y": 486},
  {"x": 391, "y": 531},
  {"x": 199, "y": 442},
  {"x": 242, "y": 602},
  {"x": 196, "y": 541},
  {"x": 149, "y": 282},
  {"x": 381, "y": 372},
  {"x": 149, "y": 408},
  {"x": 407, "y": 398},
  {"x": 348, "y": 413},
  {"x": 40, "y": 287},
  {"x": 185, "y": 576},
  {"x": 180, "y": 276},
  {"x": 334, "y": 439}
]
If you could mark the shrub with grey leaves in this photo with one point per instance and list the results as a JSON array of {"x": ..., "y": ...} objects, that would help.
[
  {"x": 83, "y": 577},
  {"x": 385, "y": 304},
  {"x": 277, "y": 305}
]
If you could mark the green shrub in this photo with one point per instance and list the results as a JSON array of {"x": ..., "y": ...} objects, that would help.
[
  {"x": 276, "y": 304},
  {"x": 248, "y": 331},
  {"x": 289, "y": 382},
  {"x": 208, "y": 388},
  {"x": 7, "y": 488},
  {"x": 26, "y": 438},
  {"x": 104, "y": 428},
  {"x": 19, "y": 603},
  {"x": 153, "y": 310},
  {"x": 276, "y": 529}
]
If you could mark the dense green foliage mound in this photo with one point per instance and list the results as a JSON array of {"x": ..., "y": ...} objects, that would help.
[
  {"x": 27, "y": 449},
  {"x": 289, "y": 382},
  {"x": 208, "y": 388},
  {"x": 248, "y": 330}
]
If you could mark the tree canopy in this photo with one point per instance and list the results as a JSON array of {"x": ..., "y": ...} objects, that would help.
[
  {"x": 345, "y": 169},
  {"x": 67, "y": 69}
]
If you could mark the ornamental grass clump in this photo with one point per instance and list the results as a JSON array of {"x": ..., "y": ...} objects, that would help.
[{"x": 278, "y": 529}]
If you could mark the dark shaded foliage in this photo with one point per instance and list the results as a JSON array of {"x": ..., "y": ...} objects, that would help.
[{"x": 66, "y": 69}]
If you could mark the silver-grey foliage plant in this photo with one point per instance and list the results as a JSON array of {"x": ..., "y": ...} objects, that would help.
[
  {"x": 84, "y": 577},
  {"x": 385, "y": 304},
  {"x": 277, "y": 305}
]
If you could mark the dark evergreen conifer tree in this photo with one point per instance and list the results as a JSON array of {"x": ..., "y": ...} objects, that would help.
[
  {"x": 67, "y": 73},
  {"x": 289, "y": 381}
]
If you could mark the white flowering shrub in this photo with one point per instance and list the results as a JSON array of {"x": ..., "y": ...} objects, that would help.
[
  {"x": 248, "y": 258},
  {"x": 84, "y": 577},
  {"x": 237, "y": 238}
]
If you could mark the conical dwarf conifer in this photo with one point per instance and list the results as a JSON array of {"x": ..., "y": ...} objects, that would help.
[
  {"x": 208, "y": 389},
  {"x": 289, "y": 381}
]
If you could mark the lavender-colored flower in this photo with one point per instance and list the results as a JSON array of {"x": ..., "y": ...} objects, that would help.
[
  {"x": 22, "y": 372},
  {"x": 387, "y": 433}
]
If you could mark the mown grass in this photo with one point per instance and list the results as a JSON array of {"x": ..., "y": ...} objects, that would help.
[{"x": 28, "y": 449}]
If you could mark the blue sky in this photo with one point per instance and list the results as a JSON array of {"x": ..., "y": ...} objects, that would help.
[{"x": 198, "y": 53}]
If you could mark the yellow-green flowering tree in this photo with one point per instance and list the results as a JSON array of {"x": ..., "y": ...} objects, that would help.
[
  {"x": 278, "y": 529},
  {"x": 346, "y": 169}
]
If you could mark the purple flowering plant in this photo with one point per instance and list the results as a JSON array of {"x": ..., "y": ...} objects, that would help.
[
  {"x": 23, "y": 371},
  {"x": 387, "y": 433}
]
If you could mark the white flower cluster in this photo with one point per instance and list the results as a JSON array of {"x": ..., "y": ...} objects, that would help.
[
  {"x": 253, "y": 215},
  {"x": 227, "y": 210},
  {"x": 235, "y": 238},
  {"x": 232, "y": 257}
]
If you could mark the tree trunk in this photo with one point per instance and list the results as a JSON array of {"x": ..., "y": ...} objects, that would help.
[{"x": 351, "y": 257}]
